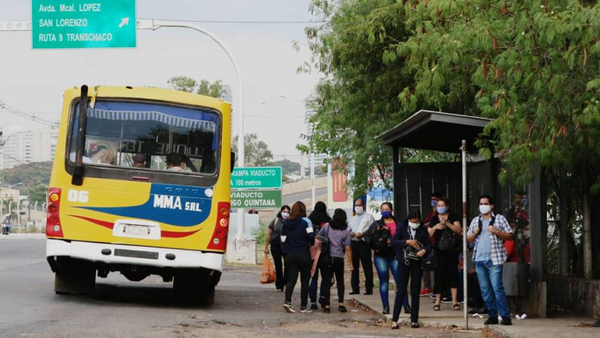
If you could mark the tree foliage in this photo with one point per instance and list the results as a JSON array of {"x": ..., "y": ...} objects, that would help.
[
  {"x": 534, "y": 66},
  {"x": 358, "y": 98},
  {"x": 187, "y": 84},
  {"x": 257, "y": 153},
  {"x": 287, "y": 166}
]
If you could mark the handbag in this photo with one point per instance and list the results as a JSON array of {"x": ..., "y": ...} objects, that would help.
[
  {"x": 325, "y": 258},
  {"x": 429, "y": 262},
  {"x": 450, "y": 242}
]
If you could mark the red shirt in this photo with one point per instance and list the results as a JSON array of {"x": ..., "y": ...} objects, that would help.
[
  {"x": 392, "y": 225},
  {"x": 511, "y": 250}
]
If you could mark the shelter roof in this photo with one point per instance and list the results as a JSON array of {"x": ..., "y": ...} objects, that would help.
[{"x": 437, "y": 131}]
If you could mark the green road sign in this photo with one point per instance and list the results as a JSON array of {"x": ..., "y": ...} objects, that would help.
[
  {"x": 255, "y": 199},
  {"x": 256, "y": 178},
  {"x": 83, "y": 23}
]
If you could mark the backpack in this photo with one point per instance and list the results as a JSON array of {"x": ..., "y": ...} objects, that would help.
[
  {"x": 325, "y": 258},
  {"x": 381, "y": 241}
]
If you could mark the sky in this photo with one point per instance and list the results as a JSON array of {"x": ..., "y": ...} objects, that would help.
[{"x": 33, "y": 81}]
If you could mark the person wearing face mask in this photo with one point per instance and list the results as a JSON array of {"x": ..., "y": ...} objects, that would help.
[
  {"x": 446, "y": 273},
  {"x": 361, "y": 252},
  {"x": 427, "y": 287},
  {"x": 274, "y": 240},
  {"x": 411, "y": 233},
  {"x": 379, "y": 236},
  {"x": 488, "y": 231}
]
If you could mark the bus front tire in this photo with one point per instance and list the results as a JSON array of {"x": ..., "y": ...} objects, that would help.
[
  {"x": 80, "y": 282},
  {"x": 195, "y": 288}
]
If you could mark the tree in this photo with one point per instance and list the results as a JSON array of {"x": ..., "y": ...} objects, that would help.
[
  {"x": 287, "y": 166},
  {"x": 187, "y": 84},
  {"x": 257, "y": 153},
  {"x": 358, "y": 98}
]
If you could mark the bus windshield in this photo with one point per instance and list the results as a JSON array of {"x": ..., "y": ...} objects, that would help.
[{"x": 149, "y": 136}]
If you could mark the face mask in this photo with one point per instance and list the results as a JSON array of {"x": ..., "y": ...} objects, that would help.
[
  {"x": 433, "y": 203},
  {"x": 413, "y": 226},
  {"x": 359, "y": 210},
  {"x": 285, "y": 215},
  {"x": 485, "y": 209},
  {"x": 524, "y": 202},
  {"x": 442, "y": 210},
  {"x": 386, "y": 214},
  {"x": 526, "y": 234}
]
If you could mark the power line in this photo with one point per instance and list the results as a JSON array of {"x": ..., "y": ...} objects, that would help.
[
  {"x": 27, "y": 116},
  {"x": 245, "y": 22},
  {"x": 15, "y": 159}
]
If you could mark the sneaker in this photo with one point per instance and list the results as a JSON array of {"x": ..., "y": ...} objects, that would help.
[
  {"x": 288, "y": 308},
  {"x": 506, "y": 321},
  {"x": 355, "y": 292},
  {"x": 313, "y": 306},
  {"x": 491, "y": 321},
  {"x": 305, "y": 309},
  {"x": 432, "y": 295},
  {"x": 425, "y": 292},
  {"x": 386, "y": 310},
  {"x": 447, "y": 300},
  {"x": 342, "y": 308},
  {"x": 322, "y": 301}
]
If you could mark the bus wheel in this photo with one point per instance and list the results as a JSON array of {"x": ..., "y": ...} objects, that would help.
[
  {"x": 82, "y": 281},
  {"x": 194, "y": 288}
]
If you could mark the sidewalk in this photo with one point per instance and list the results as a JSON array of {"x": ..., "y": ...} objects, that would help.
[{"x": 580, "y": 327}]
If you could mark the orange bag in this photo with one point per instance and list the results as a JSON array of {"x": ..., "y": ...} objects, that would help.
[{"x": 268, "y": 272}]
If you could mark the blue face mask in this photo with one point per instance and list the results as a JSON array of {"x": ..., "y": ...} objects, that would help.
[
  {"x": 442, "y": 210},
  {"x": 524, "y": 202},
  {"x": 386, "y": 214},
  {"x": 433, "y": 203}
]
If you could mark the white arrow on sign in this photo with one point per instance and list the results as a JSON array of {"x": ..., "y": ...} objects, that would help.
[{"x": 124, "y": 22}]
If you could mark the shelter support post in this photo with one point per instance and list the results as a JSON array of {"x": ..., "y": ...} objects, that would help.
[{"x": 465, "y": 228}]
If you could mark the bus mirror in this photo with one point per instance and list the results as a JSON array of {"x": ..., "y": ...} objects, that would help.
[
  {"x": 78, "y": 170},
  {"x": 232, "y": 160}
]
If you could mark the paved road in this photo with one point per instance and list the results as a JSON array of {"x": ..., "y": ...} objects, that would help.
[
  {"x": 244, "y": 308},
  {"x": 291, "y": 199}
]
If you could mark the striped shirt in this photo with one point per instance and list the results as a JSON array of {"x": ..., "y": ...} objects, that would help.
[{"x": 497, "y": 250}]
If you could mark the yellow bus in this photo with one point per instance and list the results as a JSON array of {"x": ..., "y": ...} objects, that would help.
[{"x": 140, "y": 185}]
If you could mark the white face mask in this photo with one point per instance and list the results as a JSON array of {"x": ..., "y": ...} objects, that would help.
[
  {"x": 359, "y": 210},
  {"x": 413, "y": 226},
  {"x": 285, "y": 215},
  {"x": 485, "y": 209}
]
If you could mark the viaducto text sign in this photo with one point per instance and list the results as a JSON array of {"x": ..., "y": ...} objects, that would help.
[
  {"x": 255, "y": 199},
  {"x": 83, "y": 24},
  {"x": 256, "y": 187}
]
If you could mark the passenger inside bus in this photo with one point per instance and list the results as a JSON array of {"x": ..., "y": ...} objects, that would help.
[{"x": 139, "y": 160}]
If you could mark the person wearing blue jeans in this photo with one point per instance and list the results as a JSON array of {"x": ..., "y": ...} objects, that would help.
[
  {"x": 380, "y": 235},
  {"x": 488, "y": 231}
]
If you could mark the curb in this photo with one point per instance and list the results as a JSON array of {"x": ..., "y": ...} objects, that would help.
[{"x": 498, "y": 332}]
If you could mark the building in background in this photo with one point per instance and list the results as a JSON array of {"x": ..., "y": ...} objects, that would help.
[{"x": 18, "y": 146}]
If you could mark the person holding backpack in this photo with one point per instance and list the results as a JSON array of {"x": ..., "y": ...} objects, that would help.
[
  {"x": 274, "y": 240},
  {"x": 297, "y": 236},
  {"x": 411, "y": 243},
  {"x": 446, "y": 231},
  {"x": 333, "y": 241},
  {"x": 318, "y": 217},
  {"x": 379, "y": 236}
]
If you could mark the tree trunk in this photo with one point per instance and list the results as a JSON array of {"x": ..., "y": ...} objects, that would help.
[
  {"x": 587, "y": 223},
  {"x": 563, "y": 227}
]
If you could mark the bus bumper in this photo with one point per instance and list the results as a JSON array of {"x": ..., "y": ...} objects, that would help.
[{"x": 135, "y": 255}]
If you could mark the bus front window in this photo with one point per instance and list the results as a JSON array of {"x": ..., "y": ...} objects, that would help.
[{"x": 151, "y": 136}]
